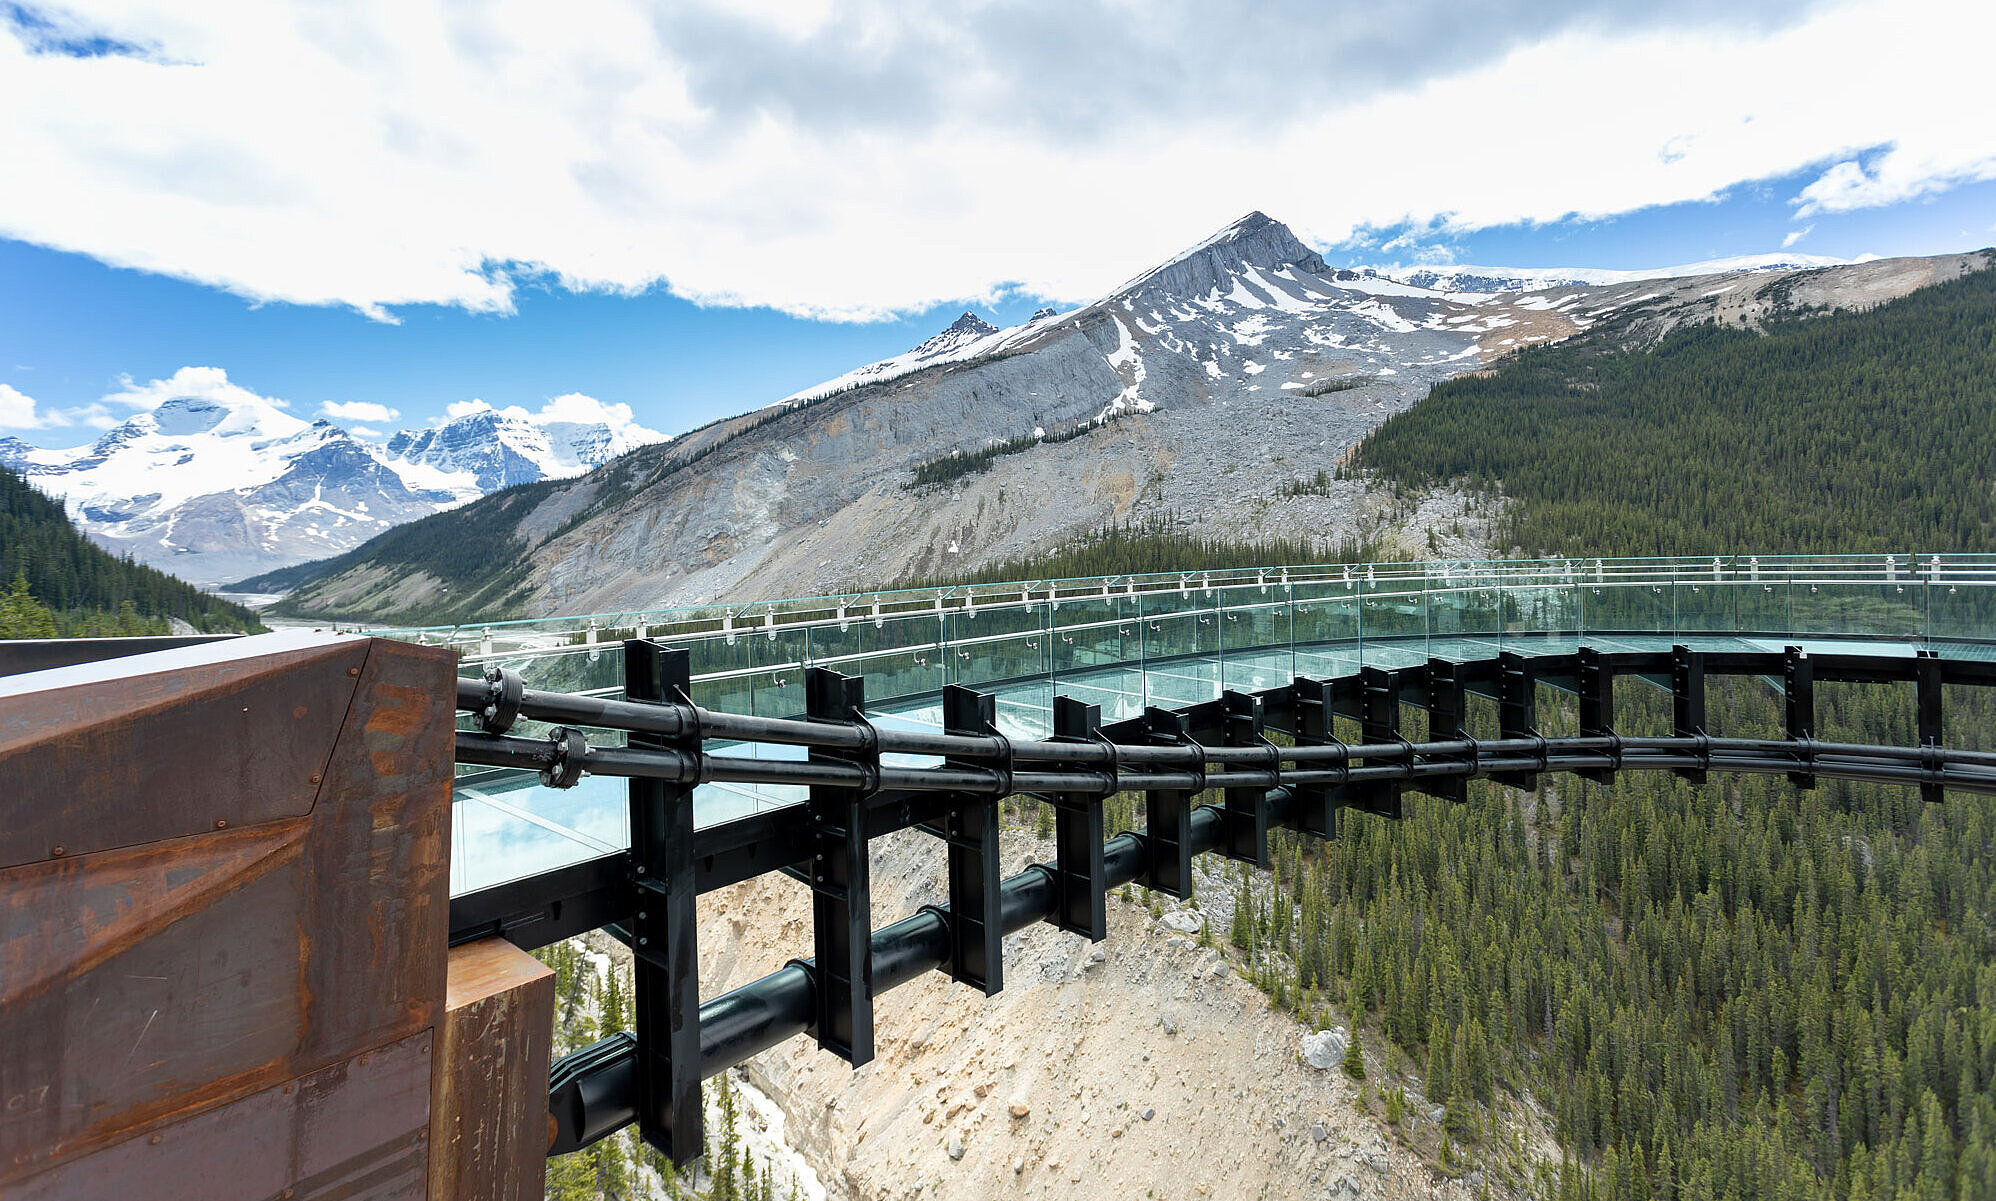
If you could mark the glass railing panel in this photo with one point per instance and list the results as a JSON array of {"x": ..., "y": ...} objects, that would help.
[
  {"x": 1961, "y": 607},
  {"x": 1617, "y": 606},
  {"x": 990, "y": 645},
  {"x": 1761, "y": 605},
  {"x": 1326, "y": 621},
  {"x": 1466, "y": 609},
  {"x": 897, "y": 656},
  {"x": 1094, "y": 632},
  {"x": 722, "y": 667},
  {"x": 1256, "y": 641},
  {"x": 1181, "y": 642},
  {"x": 495, "y": 837},
  {"x": 1394, "y": 622},
  {"x": 777, "y": 681},
  {"x": 1702, "y": 605},
  {"x": 1861, "y": 609},
  {"x": 1541, "y": 618}
]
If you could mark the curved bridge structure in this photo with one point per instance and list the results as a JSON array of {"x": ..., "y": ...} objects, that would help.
[
  {"x": 785, "y": 736},
  {"x": 265, "y": 903}
]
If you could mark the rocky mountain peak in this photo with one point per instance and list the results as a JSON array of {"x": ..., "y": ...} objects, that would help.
[
  {"x": 1255, "y": 241},
  {"x": 962, "y": 332}
]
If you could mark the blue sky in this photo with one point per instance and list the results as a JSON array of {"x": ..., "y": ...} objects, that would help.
[{"x": 696, "y": 210}]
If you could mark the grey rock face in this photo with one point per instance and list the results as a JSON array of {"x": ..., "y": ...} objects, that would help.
[{"x": 1204, "y": 389}]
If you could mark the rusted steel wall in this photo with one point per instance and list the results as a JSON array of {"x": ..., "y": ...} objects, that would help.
[
  {"x": 489, "y": 1104},
  {"x": 223, "y": 891}
]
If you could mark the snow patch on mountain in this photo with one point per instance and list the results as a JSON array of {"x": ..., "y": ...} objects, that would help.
[
  {"x": 969, "y": 337},
  {"x": 213, "y": 482},
  {"x": 1468, "y": 279}
]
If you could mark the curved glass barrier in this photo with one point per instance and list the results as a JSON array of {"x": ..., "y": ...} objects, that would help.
[{"x": 1168, "y": 639}]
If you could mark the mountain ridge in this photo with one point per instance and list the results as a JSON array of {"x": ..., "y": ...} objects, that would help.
[
  {"x": 1250, "y": 364},
  {"x": 216, "y": 482}
]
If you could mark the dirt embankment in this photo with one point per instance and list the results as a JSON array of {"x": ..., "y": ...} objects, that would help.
[{"x": 1142, "y": 1067}]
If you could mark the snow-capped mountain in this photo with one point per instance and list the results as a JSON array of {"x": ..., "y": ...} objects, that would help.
[
  {"x": 1462, "y": 278},
  {"x": 220, "y": 484},
  {"x": 487, "y": 449}
]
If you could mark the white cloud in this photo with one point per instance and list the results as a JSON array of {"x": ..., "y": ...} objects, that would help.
[
  {"x": 358, "y": 410},
  {"x": 574, "y": 407},
  {"x": 17, "y": 410},
  {"x": 1796, "y": 235},
  {"x": 208, "y": 383},
  {"x": 848, "y": 159}
]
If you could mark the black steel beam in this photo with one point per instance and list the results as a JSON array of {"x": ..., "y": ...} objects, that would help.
[
  {"x": 1246, "y": 809},
  {"x": 664, "y": 925},
  {"x": 970, "y": 829},
  {"x": 1168, "y": 814},
  {"x": 841, "y": 876},
  {"x": 1080, "y": 878}
]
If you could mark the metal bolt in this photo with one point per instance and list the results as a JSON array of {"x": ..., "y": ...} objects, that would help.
[
  {"x": 153, "y": 1141},
  {"x": 58, "y": 852},
  {"x": 363, "y": 1061},
  {"x": 221, "y": 823},
  {"x": 642, "y": 915},
  {"x": 315, "y": 777},
  {"x": 643, "y": 941},
  {"x": 353, "y": 671}
]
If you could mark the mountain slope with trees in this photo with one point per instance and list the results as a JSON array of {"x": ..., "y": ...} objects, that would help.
[
  {"x": 1856, "y": 432},
  {"x": 54, "y": 582}
]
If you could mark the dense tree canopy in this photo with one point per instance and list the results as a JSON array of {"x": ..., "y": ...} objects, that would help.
[
  {"x": 59, "y": 582},
  {"x": 1857, "y": 432}
]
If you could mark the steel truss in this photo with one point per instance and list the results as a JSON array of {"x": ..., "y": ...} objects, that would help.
[{"x": 647, "y": 895}]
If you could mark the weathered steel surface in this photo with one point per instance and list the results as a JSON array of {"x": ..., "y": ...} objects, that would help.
[
  {"x": 220, "y": 742},
  {"x": 489, "y": 1109},
  {"x": 357, "y": 1131},
  {"x": 141, "y": 986}
]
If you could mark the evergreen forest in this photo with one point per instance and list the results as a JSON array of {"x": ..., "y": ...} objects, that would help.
[
  {"x": 55, "y": 583},
  {"x": 1739, "y": 991},
  {"x": 1853, "y": 432}
]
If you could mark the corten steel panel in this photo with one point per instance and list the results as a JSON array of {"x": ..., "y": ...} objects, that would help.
[
  {"x": 225, "y": 740},
  {"x": 142, "y": 985},
  {"x": 489, "y": 1104},
  {"x": 356, "y": 1131}
]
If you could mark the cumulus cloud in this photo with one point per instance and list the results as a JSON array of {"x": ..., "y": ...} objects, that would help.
[
  {"x": 572, "y": 407},
  {"x": 207, "y": 383},
  {"x": 358, "y": 410},
  {"x": 17, "y": 410},
  {"x": 852, "y": 158}
]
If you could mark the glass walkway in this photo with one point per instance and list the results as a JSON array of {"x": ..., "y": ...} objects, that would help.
[{"x": 1167, "y": 640}]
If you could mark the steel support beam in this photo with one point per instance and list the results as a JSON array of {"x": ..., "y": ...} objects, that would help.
[
  {"x": 1168, "y": 815},
  {"x": 1448, "y": 717},
  {"x": 1079, "y": 873},
  {"x": 841, "y": 879},
  {"x": 1687, "y": 702},
  {"x": 1246, "y": 811},
  {"x": 665, "y": 920},
  {"x": 971, "y": 830}
]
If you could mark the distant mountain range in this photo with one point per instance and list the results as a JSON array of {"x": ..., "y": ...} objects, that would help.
[
  {"x": 1458, "y": 278},
  {"x": 213, "y": 489},
  {"x": 1216, "y": 391}
]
